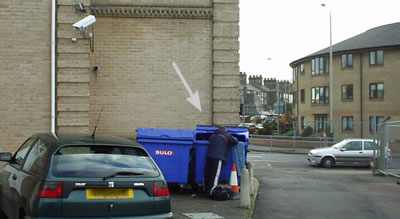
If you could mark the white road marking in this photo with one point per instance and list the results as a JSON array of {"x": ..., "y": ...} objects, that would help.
[
  {"x": 271, "y": 161},
  {"x": 268, "y": 164}
]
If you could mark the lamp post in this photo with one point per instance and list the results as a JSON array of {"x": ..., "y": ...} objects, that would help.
[
  {"x": 278, "y": 100},
  {"x": 244, "y": 102},
  {"x": 330, "y": 74}
]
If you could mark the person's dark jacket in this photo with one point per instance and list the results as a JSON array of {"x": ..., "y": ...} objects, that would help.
[{"x": 219, "y": 145}]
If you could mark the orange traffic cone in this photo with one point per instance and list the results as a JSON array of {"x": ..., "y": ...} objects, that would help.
[{"x": 234, "y": 183}]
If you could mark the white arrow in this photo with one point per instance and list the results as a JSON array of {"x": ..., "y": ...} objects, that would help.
[{"x": 194, "y": 99}]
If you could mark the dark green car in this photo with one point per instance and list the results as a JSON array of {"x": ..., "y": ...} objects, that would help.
[{"x": 75, "y": 176}]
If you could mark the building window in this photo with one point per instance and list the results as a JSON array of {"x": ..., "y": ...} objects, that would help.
[
  {"x": 295, "y": 73},
  {"x": 347, "y": 60},
  {"x": 303, "y": 122},
  {"x": 379, "y": 119},
  {"x": 376, "y": 57},
  {"x": 319, "y": 95},
  {"x": 347, "y": 123},
  {"x": 295, "y": 97},
  {"x": 320, "y": 123},
  {"x": 303, "y": 95},
  {"x": 302, "y": 70},
  {"x": 319, "y": 65},
  {"x": 376, "y": 90},
  {"x": 347, "y": 92}
]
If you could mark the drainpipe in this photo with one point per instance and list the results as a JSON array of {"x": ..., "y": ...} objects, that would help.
[
  {"x": 53, "y": 66},
  {"x": 361, "y": 95},
  {"x": 298, "y": 104}
]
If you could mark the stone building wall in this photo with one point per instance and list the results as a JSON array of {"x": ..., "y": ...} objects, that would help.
[
  {"x": 135, "y": 43},
  {"x": 226, "y": 74},
  {"x": 24, "y": 70}
]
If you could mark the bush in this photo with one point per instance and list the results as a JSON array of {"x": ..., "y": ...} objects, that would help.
[
  {"x": 265, "y": 131},
  {"x": 289, "y": 132},
  {"x": 271, "y": 125},
  {"x": 308, "y": 131},
  {"x": 256, "y": 132}
]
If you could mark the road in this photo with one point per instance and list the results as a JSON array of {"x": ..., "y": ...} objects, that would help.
[{"x": 290, "y": 188}]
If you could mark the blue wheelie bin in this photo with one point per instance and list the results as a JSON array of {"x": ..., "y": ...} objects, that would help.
[
  {"x": 201, "y": 138},
  {"x": 200, "y": 143},
  {"x": 242, "y": 134},
  {"x": 170, "y": 149}
]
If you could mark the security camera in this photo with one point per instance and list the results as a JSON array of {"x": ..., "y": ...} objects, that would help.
[
  {"x": 85, "y": 22},
  {"x": 96, "y": 68}
]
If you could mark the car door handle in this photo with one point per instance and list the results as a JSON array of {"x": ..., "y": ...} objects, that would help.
[
  {"x": 14, "y": 177},
  {"x": 360, "y": 152}
]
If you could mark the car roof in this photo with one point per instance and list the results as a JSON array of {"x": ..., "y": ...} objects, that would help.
[
  {"x": 358, "y": 139},
  {"x": 58, "y": 140}
]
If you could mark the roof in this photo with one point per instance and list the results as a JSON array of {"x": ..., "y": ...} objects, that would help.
[
  {"x": 256, "y": 88},
  {"x": 378, "y": 37}
]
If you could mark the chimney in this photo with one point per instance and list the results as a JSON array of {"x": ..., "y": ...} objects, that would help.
[{"x": 243, "y": 78}]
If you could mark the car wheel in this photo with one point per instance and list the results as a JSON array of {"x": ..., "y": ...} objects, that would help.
[
  {"x": 21, "y": 214},
  {"x": 328, "y": 162},
  {"x": 3, "y": 215}
]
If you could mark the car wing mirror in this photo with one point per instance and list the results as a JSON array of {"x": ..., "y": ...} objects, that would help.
[
  {"x": 6, "y": 157},
  {"x": 342, "y": 149}
]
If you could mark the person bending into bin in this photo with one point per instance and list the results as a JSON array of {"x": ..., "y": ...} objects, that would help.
[{"x": 217, "y": 152}]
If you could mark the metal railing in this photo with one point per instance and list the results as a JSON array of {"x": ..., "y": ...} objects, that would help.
[
  {"x": 292, "y": 142},
  {"x": 388, "y": 139}
]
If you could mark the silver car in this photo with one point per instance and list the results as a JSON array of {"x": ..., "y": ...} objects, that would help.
[{"x": 354, "y": 151}]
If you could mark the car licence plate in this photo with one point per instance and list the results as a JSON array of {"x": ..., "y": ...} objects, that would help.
[{"x": 114, "y": 193}]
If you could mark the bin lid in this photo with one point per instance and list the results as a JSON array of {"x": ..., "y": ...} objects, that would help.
[
  {"x": 170, "y": 134},
  {"x": 206, "y": 128},
  {"x": 237, "y": 129}
]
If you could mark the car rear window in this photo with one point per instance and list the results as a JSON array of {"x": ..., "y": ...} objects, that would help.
[{"x": 100, "y": 161}]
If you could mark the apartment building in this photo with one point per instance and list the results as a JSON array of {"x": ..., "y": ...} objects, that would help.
[{"x": 366, "y": 78}]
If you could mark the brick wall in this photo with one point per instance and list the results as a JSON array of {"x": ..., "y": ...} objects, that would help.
[
  {"x": 73, "y": 65},
  {"x": 171, "y": 3},
  {"x": 137, "y": 85},
  {"x": 24, "y": 71}
]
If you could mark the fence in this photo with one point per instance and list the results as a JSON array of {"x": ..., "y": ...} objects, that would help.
[
  {"x": 345, "y": 128},
  {"x": 292, "y": 143},
  {"x": 388, "y": 137}
]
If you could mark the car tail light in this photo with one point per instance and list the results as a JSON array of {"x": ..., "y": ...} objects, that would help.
[
  {"x": 50, "y": 190},
  {"x": 160, "y": 189},
  {"x": 390, "y": 151}
]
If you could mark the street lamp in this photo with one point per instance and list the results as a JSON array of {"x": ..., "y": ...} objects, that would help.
[
  {"x": 244, "y": 102},
  {"x": 278, "y": 98},
  {"x": 330, "y": 73}
]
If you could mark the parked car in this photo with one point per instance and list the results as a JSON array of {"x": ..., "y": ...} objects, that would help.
[
  {"x": 259, "y": 126},
  {"x": 245, "y": 125},
  {"x": 250, "y": 126},
  {"x": 67, "y": 176},
  {"x": 348, "y": 151}
]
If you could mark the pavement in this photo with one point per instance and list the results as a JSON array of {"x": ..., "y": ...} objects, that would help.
[
  {"x": 289, "y": 150},
  {"x": 188, "y": 204}
]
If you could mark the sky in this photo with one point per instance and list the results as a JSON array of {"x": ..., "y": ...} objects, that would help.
[{"x": 274, "y": 33}]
